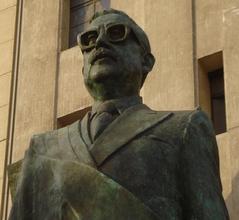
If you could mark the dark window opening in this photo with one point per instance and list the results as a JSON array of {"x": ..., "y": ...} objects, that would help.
[
  {"x": 81, "y": 12},
  {"x": 72, "y": 117},
  {"x": 218, "y": 112}
]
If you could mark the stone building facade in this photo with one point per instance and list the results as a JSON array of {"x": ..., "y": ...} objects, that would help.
[{"x": 196, "y": 46}]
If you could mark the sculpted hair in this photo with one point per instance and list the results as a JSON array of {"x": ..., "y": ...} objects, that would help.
[{"x": 140, "y": 34}]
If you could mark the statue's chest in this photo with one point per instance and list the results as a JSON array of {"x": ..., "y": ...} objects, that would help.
[
  {"x": 146, "y": 162},
  {"x": 147, "y": 167}
]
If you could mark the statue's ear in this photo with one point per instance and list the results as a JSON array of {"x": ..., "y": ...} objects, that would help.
[
  {"x": 83, "y": 70},
  {"x": 148, "y": 63}
]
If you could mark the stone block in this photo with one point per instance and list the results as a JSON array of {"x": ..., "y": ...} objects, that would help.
[
  {"x": 209, "y": 25},
  {"x": 3, "y": 122},
  {"x": 7, "y": 24},
  {"x": 234, "y": 147},
  {"x": 223, "y": 141},
  {"x": 231, "y": 66},
  {"x": 229, "y": 5},
  {"x": 2, "y": 157},
  {"x": 65, "y": 23},
  {"x": 232, "y": 98},
  {"x": 171, "y": 83},
  {"x": 6, "y": 57},
  {"x": 1, "y": 182},
  {"x": 72, "y": 95},
  {"x": 135, "y": 10},
  {"x": 4, "y": 4},
  {"x": 35, "y": 107},
  {"x": 5, "y": 84}
]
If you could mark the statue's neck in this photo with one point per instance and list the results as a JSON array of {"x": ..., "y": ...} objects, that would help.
[{"x": 112, "y": 90}]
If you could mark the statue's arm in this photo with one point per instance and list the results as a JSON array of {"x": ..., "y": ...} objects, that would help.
[
  {"x": 201, "y": 184},
  {"x": 22, "y": 203}
]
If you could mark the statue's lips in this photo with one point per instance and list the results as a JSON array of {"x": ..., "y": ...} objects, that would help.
[{"x": 101, "y": 55}]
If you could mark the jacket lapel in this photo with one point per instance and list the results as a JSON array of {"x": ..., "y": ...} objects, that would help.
[
  {"x": 131, "y": 123},
  {"x": 80, "y": 141},
  {"x": 84, "y": 129}
]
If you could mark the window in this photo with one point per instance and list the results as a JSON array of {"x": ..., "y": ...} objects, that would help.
[
  {"x": 81, "y": 12},
  {"x": 218, "y": 113},
  {"x": 211, "y": 90},
  {"x": 72, "y": 117}
]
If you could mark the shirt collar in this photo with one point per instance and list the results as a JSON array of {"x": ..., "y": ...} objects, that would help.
[{"x": 121, "y": 104}]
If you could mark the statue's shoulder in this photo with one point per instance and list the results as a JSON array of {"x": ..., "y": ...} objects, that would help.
[
  {"x": 196, "y": 117},
  {"x": 184, "y": 117},
  {"x": 174, "y": 127},
  {"x": 54, "y": 141}
]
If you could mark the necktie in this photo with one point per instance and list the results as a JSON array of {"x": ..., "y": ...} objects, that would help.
[{"x": 105, "y": 114}]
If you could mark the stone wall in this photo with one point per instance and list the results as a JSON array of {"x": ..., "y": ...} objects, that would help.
[{"x": 7, "y": 32}]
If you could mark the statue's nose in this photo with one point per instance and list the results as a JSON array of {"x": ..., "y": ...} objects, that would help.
[{"x": 101, "y": 40}]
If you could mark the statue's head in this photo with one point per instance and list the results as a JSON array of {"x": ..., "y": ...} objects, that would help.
[{"x": 117, "y": 55}]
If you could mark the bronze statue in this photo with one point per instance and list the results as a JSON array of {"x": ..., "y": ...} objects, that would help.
[{"x": 123, "y": 160}]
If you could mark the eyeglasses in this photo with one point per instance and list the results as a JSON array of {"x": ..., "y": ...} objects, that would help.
[{"x": 114, "y": 33}]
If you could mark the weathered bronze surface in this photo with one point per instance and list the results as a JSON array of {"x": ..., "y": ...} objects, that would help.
[{"x": 123, "y": 160}]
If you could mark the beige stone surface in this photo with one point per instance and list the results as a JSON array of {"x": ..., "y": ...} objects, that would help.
[
  {"x": 209, "y": 23},
  {"x": 223, "y": 141},
  {"x": 6, "y": 56},
  {"x": 234, "y": 196},
  {"x": 3, "y": 122},
  {"x": 171, "y": 83},
  {"x": 72, "y": 94},
  {"x": 135, "y": 9},
  {"x": 64, "y": 25},
  {"x": 2, "y": 161},
  {"x": 2, "y": 157},
  {"x": 231, "y": 66},
  {"x": 7, "y": 24},
  {"x": 35, "y": 107},
  {"x": 4, "y": 4},
  {"x": 229, "y": 5},
  {"x": 5, "y": 84},
  {"x": 1, "y": 182}
]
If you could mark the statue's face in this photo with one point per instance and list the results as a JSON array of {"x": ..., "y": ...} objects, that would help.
[{"x": 111, "y": 53}]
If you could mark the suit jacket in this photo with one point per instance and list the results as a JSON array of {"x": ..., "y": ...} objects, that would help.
[{"x": 168, "y": 160}]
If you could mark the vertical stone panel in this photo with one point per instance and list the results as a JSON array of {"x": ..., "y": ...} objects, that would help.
[
  {"x": 7, "y": 24},
  {"x": 171, "y": 83},
  {"x": 72, "y": 94},
  {"x": 209, "y": 25},
  {"x": 6, "y": 55},
  {"x": 7, "y": 3},
  {"x": 2, "y": 160},
  {"x": 3, "y": 122},
  {"x": 37, "y": 72},
  {"x": 7, "y": 33},
  {"x": 231, "y": 65},
  {"x": 135, "y": 9},
  {"x": 234, "y": 146},
  {"x": 5, "y": 83},
  {"x": 65, "y": 24},
  {"x": 223, "y": 141},
  {"x": 2, "y": 157}
]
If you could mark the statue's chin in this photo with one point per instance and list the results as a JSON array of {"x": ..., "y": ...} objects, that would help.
[{"x": 102, "y": 74}]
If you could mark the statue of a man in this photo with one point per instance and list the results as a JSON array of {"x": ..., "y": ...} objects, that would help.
[{"x": 122, "y": 160}]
